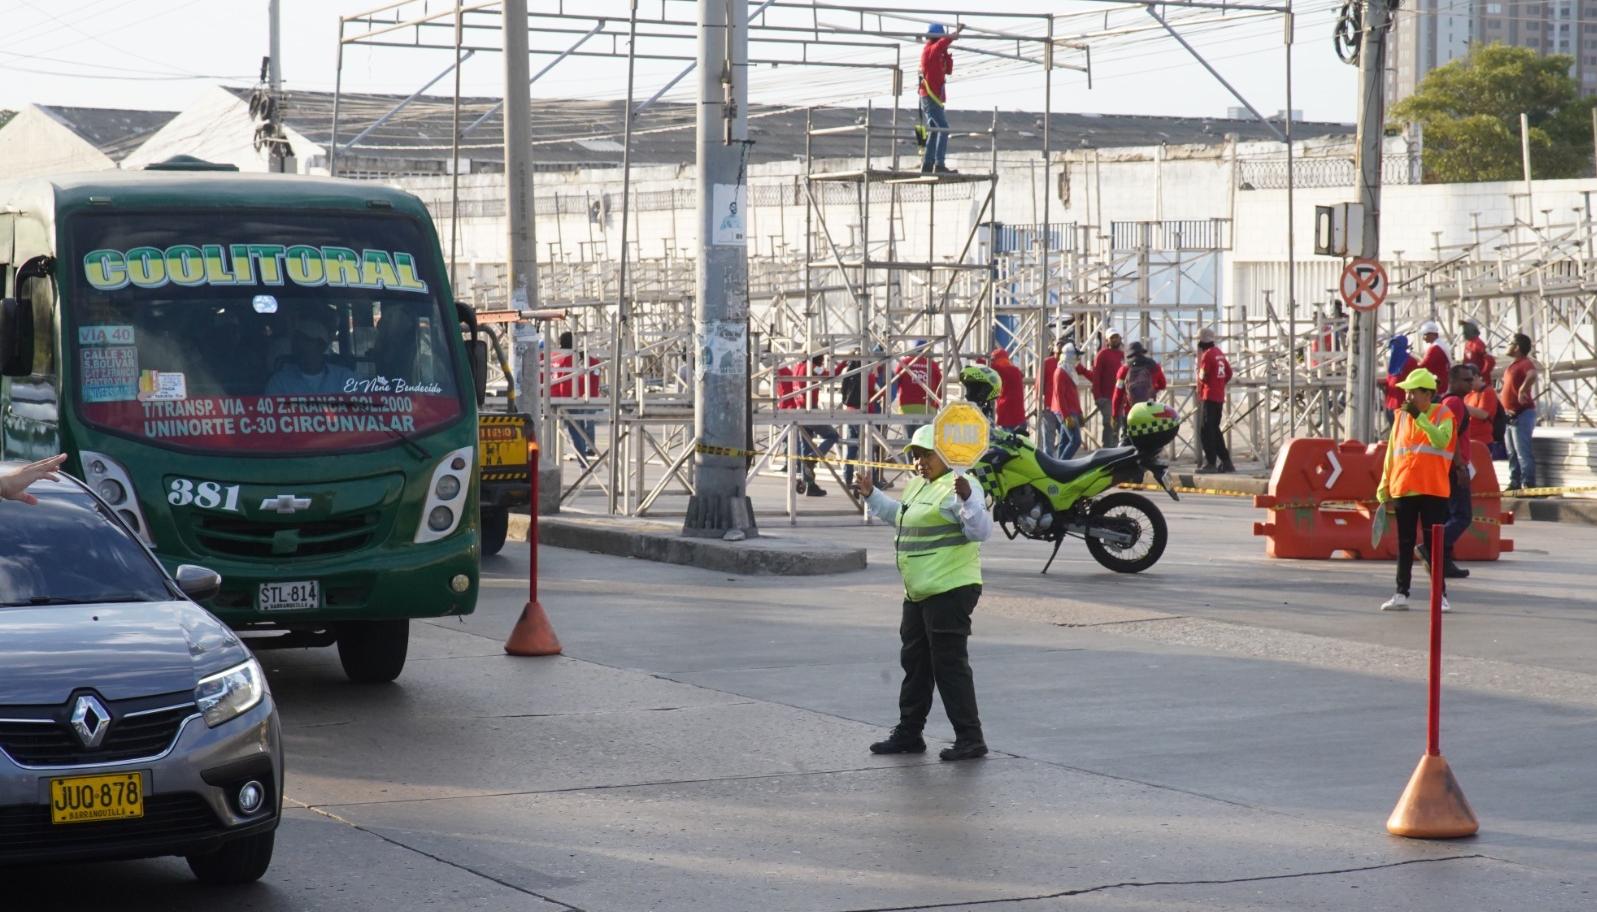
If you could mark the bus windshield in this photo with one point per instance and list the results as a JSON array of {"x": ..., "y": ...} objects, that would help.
[{"x": 223, "y": 331}]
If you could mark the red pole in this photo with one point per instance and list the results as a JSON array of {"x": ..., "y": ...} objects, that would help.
[
  {"x": 1433, "y": 734},
  {"x": 532, "y": 635},
  {"x": 535, "y": 452}
]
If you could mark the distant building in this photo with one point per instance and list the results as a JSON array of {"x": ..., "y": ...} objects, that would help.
[
  {"x": 1427, "y": 34},
  {"x": 49, "y": 139}
]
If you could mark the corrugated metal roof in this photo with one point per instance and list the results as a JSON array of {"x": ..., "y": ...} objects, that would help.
[
  {"x": 114, "y": 131},
  {"x": 588, "y": 133}
]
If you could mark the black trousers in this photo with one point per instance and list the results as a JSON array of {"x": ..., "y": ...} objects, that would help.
[
  {"x": 1460, "y": 512},
  {"x": 934, "y": 634},
  {"x": 1211, "y": 442},
  {"x": 1416, "y": 514}
]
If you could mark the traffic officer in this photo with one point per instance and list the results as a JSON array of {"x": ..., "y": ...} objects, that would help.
[
  {"x": 1419, "y": 456},
  {"x": 940, "y": 525}
]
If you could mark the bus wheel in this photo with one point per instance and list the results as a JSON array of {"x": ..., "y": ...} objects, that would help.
[
  {"x": 495, "y": 526},
  {"x": 373, "y": 652}
]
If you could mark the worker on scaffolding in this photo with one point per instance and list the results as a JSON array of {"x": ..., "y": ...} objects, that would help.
[{"x": 936, "y": 65}]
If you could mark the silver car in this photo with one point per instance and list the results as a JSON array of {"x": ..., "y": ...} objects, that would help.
[{"x": 133, "y": 723}]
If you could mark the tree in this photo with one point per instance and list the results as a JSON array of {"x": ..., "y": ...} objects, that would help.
[{"x": 1470, "y": 109}]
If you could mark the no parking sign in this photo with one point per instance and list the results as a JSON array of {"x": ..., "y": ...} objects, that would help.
[{"x": 1364, "y": 284}]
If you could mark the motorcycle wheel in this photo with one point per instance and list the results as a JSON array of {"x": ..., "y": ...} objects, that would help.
[{"x": 1127, "y": 510}]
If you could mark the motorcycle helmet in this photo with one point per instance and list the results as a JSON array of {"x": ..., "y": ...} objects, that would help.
[
  {"x": 1152, "y": 425},
  {"x": 982, "y": 383}
]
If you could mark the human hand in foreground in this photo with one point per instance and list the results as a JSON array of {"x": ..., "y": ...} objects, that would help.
[{"x": 15, "y": 485}]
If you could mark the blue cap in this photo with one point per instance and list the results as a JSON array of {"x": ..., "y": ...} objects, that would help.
[{"x": 936, "y": 28}]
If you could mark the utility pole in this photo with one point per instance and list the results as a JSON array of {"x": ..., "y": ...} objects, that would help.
[
  {"x": 521, "y": 249},
  {"x": 720, "y": 506},
  {"x": 1360, "y": 418},
  {"x": 277, "y": 143}
]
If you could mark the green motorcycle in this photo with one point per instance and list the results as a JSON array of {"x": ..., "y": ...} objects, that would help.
[{"x": 1039, "y": 497}]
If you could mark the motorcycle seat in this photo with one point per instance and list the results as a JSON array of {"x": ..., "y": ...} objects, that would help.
[{"x": 1065, "y": 470}]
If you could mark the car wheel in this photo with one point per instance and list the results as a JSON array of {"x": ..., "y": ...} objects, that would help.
[
  {"x": 241, "y": 861},
  {"x": 373, "y": 652},
  {"x": 495, "y": 527}
]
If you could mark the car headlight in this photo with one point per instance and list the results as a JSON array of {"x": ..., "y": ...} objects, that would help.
[{"x": 228, "y": 694}]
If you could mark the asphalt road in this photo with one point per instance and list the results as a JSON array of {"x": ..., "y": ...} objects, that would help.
[{"x": 1222, "y": 732}]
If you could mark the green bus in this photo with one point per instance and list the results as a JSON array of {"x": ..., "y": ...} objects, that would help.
[{"x": 262, "y": 374}]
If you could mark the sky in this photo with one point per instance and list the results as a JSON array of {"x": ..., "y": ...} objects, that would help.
[{"x": 161, "y": 54}]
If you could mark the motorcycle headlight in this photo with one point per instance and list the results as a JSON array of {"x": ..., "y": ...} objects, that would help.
[{"x": 228, "y": 694}]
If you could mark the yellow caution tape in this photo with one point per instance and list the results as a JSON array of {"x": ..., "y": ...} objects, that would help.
[
  {"x": 710, "y": 450},
  {"x": 1182, "y": 489},
  {"x": 1548, "y": 492}
]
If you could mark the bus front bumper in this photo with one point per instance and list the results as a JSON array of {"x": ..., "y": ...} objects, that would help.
[{"x": 397, "y": 581}]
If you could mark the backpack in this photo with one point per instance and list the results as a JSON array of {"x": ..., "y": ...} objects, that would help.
[
  {"x": 1139, "y": 379},
  {"x": 1499, "y": 424}
]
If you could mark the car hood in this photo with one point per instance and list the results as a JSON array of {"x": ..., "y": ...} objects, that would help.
[{"x": 123, "y": 650}]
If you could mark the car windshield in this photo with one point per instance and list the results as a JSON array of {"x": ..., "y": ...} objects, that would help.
[
  {"x": 262, "y": 333},
  {"x": 66, "y": 549}
]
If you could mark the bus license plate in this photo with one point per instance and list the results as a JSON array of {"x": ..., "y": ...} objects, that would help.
[
  {"x": 85, "y": 799},
  {"x": 300, "y": 596}
]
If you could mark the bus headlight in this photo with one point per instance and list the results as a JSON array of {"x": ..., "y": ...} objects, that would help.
[
  {"x": 107, "y": 478},
  {"x": 448, "y": 487},
  {"x": 446, "y": 495},
  {"x": 112, "y": 492},
  {"x": 440, "y": 519}
]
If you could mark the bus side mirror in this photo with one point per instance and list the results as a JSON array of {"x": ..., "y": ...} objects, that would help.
[
  {"x": 16, "y": 338},
  {"x": 477, "y": 349}
]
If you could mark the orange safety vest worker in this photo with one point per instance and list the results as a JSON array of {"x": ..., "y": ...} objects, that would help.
[{"x": 1419, "y": 454}]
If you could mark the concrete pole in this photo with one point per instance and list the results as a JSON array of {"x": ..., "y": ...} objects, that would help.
[
  {"x": 521, "y": 250},
  {"x": 274, "y": 74},
  {"x": 720, "y": 505},
  {"x": 1044, "y": 342},
  {"x": 1291, "y": 241},
  {"x": 1362, "y": 341}
]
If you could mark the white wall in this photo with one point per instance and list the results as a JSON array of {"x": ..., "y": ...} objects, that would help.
[{"x": 35, "y": 144}]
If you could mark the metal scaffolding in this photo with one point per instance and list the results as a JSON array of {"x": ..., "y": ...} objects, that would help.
[{"x": 873, "y": 262}]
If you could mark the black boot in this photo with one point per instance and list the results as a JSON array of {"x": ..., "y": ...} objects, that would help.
[
  {"x": 900, "y": 742},
  {"x": 1451, "y": 570},
  {"x": 964, "y": 750}
]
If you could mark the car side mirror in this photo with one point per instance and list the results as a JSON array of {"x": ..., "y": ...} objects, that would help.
[
  {"x": 16, "y": 338},
  {"x": 477, "y": 349},
  {"x": 198, "y": 583}
]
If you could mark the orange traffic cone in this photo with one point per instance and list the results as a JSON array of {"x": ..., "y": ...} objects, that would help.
[
  {"x": 533, "y": 635},
  {"x": 1433, "y": 806}
]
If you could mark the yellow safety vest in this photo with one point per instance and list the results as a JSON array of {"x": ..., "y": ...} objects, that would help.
[
  {"x": 1414, "y": 466},
  {"x": 933, "y": 553}
]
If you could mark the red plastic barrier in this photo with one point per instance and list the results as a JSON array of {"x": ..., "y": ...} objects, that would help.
[
  {"x": 1322, "y": 494},
  {"x": 1484, "y": 541},
  {"x": 1308, "y": 473}
]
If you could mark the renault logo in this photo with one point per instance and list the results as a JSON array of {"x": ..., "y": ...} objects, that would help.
[
  {"x": 285, "y": 503},
  {"x": 90, "y": 720}
]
